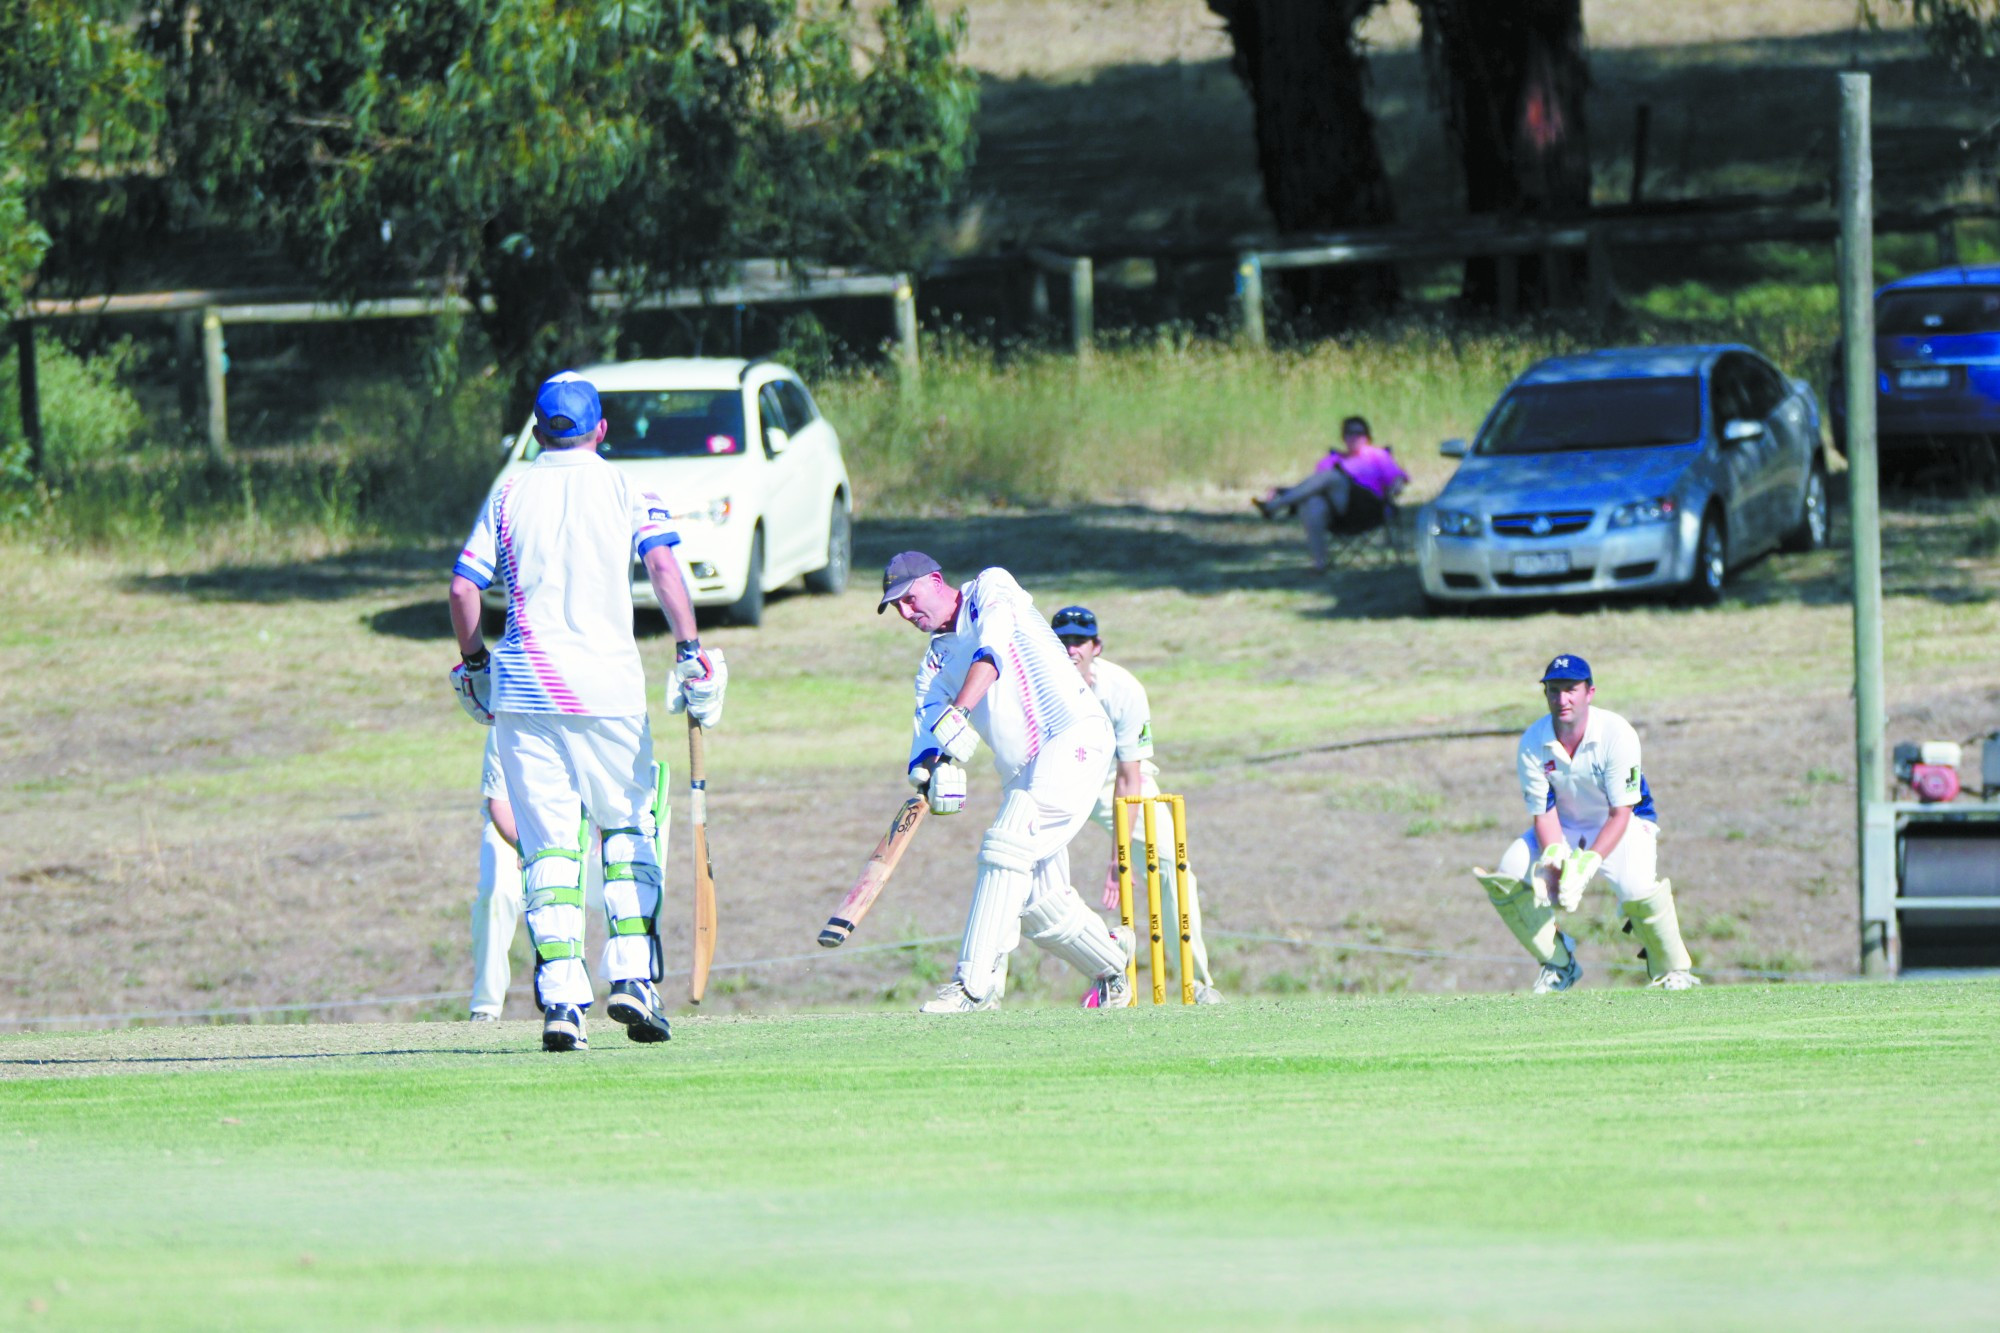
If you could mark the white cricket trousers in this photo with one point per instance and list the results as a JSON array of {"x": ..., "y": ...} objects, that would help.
[
  {"x": 557, "y": 766},
  {"x": 1630, "y": 869},
  {"x": 1163, "y": 824},
  {"x": 1041, "y": 809},
  {"x": 496, "y": 907}
]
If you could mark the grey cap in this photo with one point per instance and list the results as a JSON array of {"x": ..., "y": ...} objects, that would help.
[{"x": 903, "y": 570}]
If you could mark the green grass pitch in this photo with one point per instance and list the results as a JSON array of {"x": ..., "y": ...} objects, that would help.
[{"x": 1734, "y": 1157}]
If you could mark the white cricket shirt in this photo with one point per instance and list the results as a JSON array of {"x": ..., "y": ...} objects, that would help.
[
  {"x": 1039, "y": 694},
  {"x": 561, "y": 538},
  {"x": 1583, "y": 789},
  {"x": 1124, "y": 700}
]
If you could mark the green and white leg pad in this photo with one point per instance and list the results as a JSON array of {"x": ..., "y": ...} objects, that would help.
[
  {"x": 1533, "y": 923},
  {"x": 1658, "y": 929},
  {"x": 552, "y": 897},
  {"x": 631, "y": 906}
]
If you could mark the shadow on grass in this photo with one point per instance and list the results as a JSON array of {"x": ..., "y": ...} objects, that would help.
[{"x": 331, "y": 578}]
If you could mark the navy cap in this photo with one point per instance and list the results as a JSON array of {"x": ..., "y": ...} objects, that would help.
[
  {"x": 903, "y": 570},
  {"x": 1074, "y": 622},
  {"x": 566, "y": 406},
  {"x": 1567, "y": 667}
]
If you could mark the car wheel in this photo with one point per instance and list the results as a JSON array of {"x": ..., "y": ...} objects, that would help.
[
  {"x": 1711, "y": 563},
  {"x": 749, "y": 608},
  {"x": 832, "y": 578},
  {"x": 1810, "y": 532}
]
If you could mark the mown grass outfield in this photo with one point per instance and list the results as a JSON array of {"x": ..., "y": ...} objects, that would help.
[{"x": 1814, "y": 1156}]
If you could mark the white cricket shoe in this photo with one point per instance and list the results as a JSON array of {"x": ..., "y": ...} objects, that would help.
[
  {"x": 1206, "y": 994},
  {"x": 1678, "y": 979},
  {"x": 956, "y": 999},
  {"x": 1114, "y": 991},
  {"x": 1552, "y": 978}
]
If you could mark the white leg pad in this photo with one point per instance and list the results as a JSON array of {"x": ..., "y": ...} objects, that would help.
[
  {"x": 993, "y": 926},
  {"x": 1056, "y": 919},
  {"x": 1658, "y": 928},
  {"x": 554, "y": 901},
  {"x": 631, "y": 905}
]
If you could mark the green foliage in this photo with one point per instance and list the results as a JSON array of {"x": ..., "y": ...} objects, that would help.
[
  {"x": 77, "y": 98},
  {"x": 1966, "y": 32},
  {"x": 522, "y": 150},
  {"x": 88, "y": 414}
]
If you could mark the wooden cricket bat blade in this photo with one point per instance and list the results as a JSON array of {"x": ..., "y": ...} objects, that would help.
[
  {"x": 875, "y": 874},
  {"x": 704, "y": 873}
]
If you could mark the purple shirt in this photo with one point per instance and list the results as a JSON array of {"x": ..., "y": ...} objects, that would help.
[{"x": 1370, "y": 467}]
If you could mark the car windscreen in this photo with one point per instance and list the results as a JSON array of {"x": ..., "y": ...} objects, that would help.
[
  {"x": 1594, "y": 414},
  {"x": 1915, "y": 312},
  {"x": 669, "y": 423}
]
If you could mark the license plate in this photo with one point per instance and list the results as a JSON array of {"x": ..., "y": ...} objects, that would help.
[
  {"x": 1541, "y": 562},
  {"x": 1925, "y": 377}
]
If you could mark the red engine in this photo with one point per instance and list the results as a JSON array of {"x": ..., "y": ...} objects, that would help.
[{"x": 1930, "y": 770}]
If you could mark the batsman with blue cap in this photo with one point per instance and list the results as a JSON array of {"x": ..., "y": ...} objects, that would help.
[{"x": 1593, "y": 815}]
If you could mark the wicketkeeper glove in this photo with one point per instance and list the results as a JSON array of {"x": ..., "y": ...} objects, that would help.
[
  {"x": 1577, "y": 872},
  {"x": 472, "y": 686},
  {"x": 947, "y": 788},
  {"x": 954, "y": 735},
  {"x": 697, "y": 683}
]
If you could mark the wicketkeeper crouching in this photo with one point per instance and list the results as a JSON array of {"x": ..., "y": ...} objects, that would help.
[
  {"x": 995, "y": 672},
  {"x": 1593, "y": 815}
]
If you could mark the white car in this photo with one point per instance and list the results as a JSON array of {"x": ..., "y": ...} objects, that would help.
[{"x": 747, "y": 466}]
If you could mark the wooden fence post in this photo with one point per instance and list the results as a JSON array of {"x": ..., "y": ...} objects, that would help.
[
  {"x": 187, "y": 369},
  {"x": 1082, "y": 306},
  {"x": 905, "y": 298},
  {"x": 1250, "y": 298},
  {"x": 214, "y": 372},
  {"x": 31, "y": 395},
  {"x": 1038, "y": 295}
]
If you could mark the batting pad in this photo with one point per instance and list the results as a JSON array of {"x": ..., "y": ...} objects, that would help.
[
  {"x": 1056, "y": 919},
  {"x": 1658, "y": 927},
  {"x": 993, "y": 926},
  {"x": 1532, "y": 923},
  {"x": 553, "y": 897},
  {"x": 631, "y": 906}
]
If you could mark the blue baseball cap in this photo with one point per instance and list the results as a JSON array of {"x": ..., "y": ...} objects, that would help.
[
  {"x": 1074, "y": 622},
  {"x": 904, "y": 569},
  {"x": 1567, "y": 666},
  {"x": 566, "y": 406}
]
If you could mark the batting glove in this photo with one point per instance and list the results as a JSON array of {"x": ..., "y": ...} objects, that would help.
[
  {"x": 699, "y": 694},
  {"x": 472, "y": 686},
  {"x": 947, "y": 789},
  {"x": 1577, "y": 872},
  {"x": 954, "y": 735}
]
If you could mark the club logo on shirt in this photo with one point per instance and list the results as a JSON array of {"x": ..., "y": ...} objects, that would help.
[
  {"x": 658, "y": 515},
  {"x": 1082, "y": 754},
  {"x": 1632, "y": 778},
  {"x": 1145, "y": 733},
  {"x": 1548, "y": 766}
]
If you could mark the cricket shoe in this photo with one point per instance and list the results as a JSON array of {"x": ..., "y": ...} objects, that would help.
[
  {"x": 562, "y": 1029},
  {"x": 1115, "y": 991},
  {"x": 1678, "y": 979},
  {"x": 1553, "y": 978},
  {"x": 956, "y": 999},
  {"x": 1206, "y": 994},
  {"x": 481, "y": 1016},
  {"x": 639, "y": 1007}
]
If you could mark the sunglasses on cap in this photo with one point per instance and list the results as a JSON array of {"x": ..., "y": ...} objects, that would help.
[{"x": 1079, "y": 623}]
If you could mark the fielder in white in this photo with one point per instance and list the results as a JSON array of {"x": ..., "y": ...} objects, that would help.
[
  {"x": 566, "y": 692},
  {"x": 1593, "y": 815},
  {"x": 496, "y": 903},
  {"x": 994, "y": 672},
  {"x": 1133, "y": 774}
]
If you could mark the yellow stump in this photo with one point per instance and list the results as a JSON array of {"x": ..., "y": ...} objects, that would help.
[
  {"x": 1158, "y": 957},
  {"x": 1121, "y": 839},
  {"x": 1181, "y": 898}
]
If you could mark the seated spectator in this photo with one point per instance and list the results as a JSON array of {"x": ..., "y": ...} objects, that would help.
[{"x": 1348, "y": 491}]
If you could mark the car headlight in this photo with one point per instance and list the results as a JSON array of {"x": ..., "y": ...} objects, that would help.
[
  {"x": 1454, "y": 523},
  {"x": 718, "y": 511},
  {"x": 1661, "y": 510}
]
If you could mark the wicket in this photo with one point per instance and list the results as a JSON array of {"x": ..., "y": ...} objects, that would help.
[{"x": 1121, "y": 835}]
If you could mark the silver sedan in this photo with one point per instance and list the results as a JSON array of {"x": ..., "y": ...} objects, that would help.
[{"x": 1627, "y": 470}]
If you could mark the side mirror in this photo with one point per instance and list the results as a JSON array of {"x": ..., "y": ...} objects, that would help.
[
  {"x": 777, "y": 441},
  {"x": 1736, "y": 432},
  {"x": 1453, "y": 449}
]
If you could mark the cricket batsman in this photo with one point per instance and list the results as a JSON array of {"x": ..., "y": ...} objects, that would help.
[
  {"x": 995, "y": 673},
  {"x": 1133, "y": 774},
  {"x": 1593, "y": 815},
  {"x": 566, "y": 693}
]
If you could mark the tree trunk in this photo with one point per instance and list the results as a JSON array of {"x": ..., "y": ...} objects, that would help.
[
  {"x": 1512, "y": 75},
  {"x": 1316, "y": 152}
]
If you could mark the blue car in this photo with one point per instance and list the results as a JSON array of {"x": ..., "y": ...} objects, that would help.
[
  {"x": 1627, "y": 470},
  {"x": 1937, "y": 373}
]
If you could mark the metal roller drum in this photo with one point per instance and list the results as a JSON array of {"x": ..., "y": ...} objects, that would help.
[{"x": 1951, "y": 862}]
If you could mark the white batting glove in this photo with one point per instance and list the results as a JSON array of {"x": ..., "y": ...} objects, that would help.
[
  {"x": 954, "y": 735},
  {"x": 472, "y": 686},
  {"x": 947, "y": 788},
  {"x": 697, "y": 683},
  {"x": 1577, "y": 872}
]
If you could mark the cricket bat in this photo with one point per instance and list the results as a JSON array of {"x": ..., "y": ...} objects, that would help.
[
  {"x": 875, "y": 874},
  {"x": 704, "y": 873}
]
